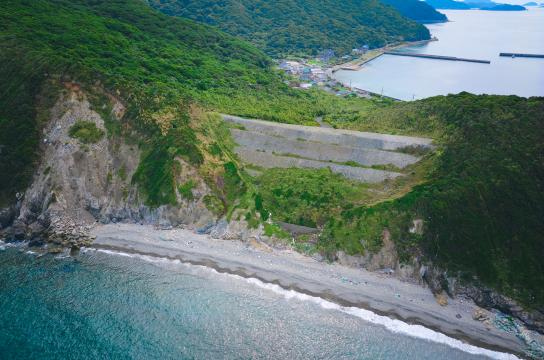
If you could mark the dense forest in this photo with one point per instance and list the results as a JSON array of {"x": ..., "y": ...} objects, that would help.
[
  {"x": 117, "y": 42},
  {"x": 301, "y": 26},
  {"x": 130, "y": 48},
  {"x": 480, "y": 195},
  {"x": 419, "y": 11},
  {"x": 482, "y": 199}
]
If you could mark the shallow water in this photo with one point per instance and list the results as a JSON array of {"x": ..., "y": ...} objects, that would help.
[
  {"x": 99, "y": 305},
  {"x": 469, "y": 34}
]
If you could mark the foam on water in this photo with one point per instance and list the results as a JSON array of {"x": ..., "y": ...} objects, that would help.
[{"x": 393, "y": 325}]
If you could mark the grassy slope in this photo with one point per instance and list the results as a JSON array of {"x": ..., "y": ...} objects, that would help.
[
  {"x": 301, "y": 26},
  {"x": 151, "y": 59},
  {"x": 483, "y": 200},
  {"x": 481, "y": 194}
]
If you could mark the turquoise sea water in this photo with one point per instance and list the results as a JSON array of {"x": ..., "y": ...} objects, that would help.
[
  {"x": 104, "y": 306},
  {"x": 470, "y": 34}
]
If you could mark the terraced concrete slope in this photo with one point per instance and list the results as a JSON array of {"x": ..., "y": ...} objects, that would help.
[{"x": 350, "y": 153}]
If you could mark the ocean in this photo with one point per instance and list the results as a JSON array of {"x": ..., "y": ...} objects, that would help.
[
  {"x": 103, "y": 305},
  {"x": 469, "y": 34}
]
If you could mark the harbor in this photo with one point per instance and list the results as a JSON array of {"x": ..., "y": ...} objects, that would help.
[{"x": 518, "y": 70}]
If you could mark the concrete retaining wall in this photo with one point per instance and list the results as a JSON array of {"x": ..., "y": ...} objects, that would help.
[
  {"x": 330, "y": 136},
  {"x": 319, "y": 151},
  {"x": 277, "y": 145},
  {"x": 268, "y": 160}
]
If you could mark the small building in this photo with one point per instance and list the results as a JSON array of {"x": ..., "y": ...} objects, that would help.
[
  {"x": 306, "y": 74},
  {"x": 291, "y": 67},
  {"x": 360, "y": 50},
  {"x": 319, "y": 75},
  {"x": 326, "y": 55}
]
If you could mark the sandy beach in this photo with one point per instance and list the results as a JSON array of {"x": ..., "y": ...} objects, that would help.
[{"x": 348, "y": 287}]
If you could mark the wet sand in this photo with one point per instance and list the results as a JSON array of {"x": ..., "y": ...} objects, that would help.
[{"x": 380, "y": 293}]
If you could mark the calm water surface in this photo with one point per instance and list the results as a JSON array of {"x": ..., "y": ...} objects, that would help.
[
  {"x": 99, "y": 306},
  {"x": 469, "y": 34}
]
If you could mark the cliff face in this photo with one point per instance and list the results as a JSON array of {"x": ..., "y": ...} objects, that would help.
[{"x": 76, "y": 185}]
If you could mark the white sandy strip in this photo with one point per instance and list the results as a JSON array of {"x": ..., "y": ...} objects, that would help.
[{"x": 393, "y": 325}]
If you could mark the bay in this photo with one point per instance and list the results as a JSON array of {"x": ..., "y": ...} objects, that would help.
[{"x": 469, "y": 34}]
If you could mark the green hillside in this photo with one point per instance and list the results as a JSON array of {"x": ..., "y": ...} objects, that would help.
[
  {"x": 151, "y": 59},
  {"x": 482, "y": 200},
  {"x": 480, "y": 195},
  {"x": 301, "y": 26}
]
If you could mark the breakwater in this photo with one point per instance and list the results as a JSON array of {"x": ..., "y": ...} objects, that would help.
[
  {"x": 541, "y": 56},
  {"x": 436, "y": 57}
]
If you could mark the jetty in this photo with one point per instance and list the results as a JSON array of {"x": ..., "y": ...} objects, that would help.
[
  {"x": 436, "y": 57},
  {"x": 357, "y": 64},
  {"x": 514, "y": 55},
  {"x": 373, "y": 54}
]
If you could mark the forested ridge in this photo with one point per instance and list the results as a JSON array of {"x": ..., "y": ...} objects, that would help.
[
  {"x": 480, "y": 195},
  {"x": 151, "y": 60},
  {"x": 482, "y": 198},
  {"x": 301, "y": 26}
]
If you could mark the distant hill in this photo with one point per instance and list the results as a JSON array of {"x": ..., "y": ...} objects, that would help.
[
  {"x": 301, "y": 26},
  {"x": 530, "y": 3},
  {"x": 476, "y": 4},
  {"x": 504, "y": 7},
  {"x": 448, "y": 4},
  {"x": 417, "y": 10}
]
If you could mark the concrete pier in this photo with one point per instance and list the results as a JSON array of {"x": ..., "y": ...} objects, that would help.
[
  {"x": 540, "y": 56},
  {"x": 436, "y": 57}
]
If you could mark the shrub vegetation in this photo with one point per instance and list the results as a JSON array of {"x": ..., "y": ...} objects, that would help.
[
  {"x": 86, "y": 132},
  {"x": 480, "y": 194}
]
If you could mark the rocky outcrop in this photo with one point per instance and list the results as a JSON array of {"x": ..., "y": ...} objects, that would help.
[
  {"x": 77, "y": 185},
  {"x": 386, "y": 260},
  {"x": 439, "y": 282},
  {"x": 490, "y": 299}
]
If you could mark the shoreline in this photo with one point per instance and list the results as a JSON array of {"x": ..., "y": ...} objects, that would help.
[
  {"x": 347, "y": 287},
  {"x": 357, "y": 64}
]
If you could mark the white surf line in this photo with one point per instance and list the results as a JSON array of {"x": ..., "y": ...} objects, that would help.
[{"x": 393, "y": 325}]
